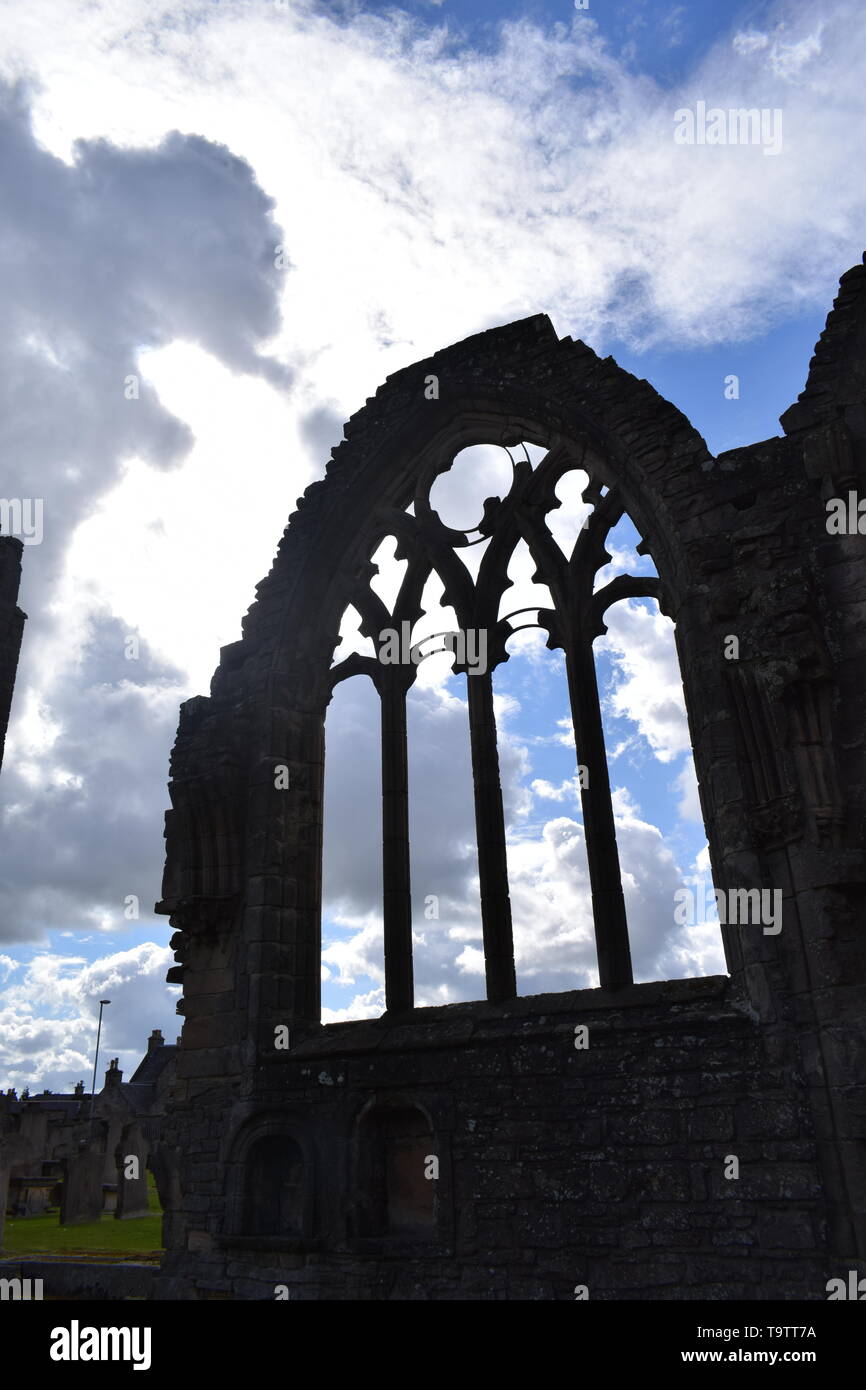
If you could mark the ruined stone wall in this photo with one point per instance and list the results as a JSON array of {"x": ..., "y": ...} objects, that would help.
[
  {"x": 607, "y": 1168},
  {"x": 602, "y": 1166}
]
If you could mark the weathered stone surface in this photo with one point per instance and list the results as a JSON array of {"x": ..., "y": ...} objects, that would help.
[
  {"x": 82, "y": 1187},
  {"x": 556, "y": 1166}
]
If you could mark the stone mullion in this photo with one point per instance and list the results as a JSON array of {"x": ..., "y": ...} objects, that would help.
[
  {"x": 397, "y": 896},
  {"x": 302, "y": 889},
  {"x": 490, "y": 834},
  {"x": 608, "y": 904}
]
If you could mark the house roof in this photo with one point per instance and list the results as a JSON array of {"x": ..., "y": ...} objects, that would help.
[{"x": 152, "y": 1065}]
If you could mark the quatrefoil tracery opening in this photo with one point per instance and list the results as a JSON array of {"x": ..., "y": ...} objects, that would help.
[{"x": 574, "y": 577}]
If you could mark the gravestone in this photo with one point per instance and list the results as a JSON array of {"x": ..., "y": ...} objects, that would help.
[
  {"x": 131, "y": 1159},
  {"x": 81, "y": 1199}
]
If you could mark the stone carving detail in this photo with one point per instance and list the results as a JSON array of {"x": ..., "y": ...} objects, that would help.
[{"x": 809, "y": 707}]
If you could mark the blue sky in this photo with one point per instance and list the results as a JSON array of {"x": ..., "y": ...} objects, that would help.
[
  {"x": 771, "y": 371},
  {"x": 429, "y": 170},
  {"x": 657, "y": 38}
]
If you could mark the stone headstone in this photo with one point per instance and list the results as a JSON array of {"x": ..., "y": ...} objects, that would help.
[
  {"x": 131, "y": 1156},
  {"x": 81, "y": 1200}
]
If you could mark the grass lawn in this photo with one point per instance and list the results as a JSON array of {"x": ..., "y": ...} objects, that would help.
[{"x": 43, "y": 1235}]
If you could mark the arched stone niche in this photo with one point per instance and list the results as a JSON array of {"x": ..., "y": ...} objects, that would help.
[
  {"x": 398, "y": 1169},
  {"x": 270, "y": 1184}
]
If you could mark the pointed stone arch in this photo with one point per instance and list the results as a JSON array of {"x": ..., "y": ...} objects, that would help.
[
  {"x": 506, "y": 385},
  {"x": 740, "y": 546}
]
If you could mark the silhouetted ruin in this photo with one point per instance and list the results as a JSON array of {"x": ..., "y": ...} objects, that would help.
[
  {"x": 606, "y": 1167},
  {"x": 697, "y": 1138}
]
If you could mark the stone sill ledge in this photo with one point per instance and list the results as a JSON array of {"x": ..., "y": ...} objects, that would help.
[
  {"x": 365, "y": 1247},
  {"x": 398, "y": 1247},
  {"x": 292, "y": 1245},
  {"x": 529, "y": 1017}
]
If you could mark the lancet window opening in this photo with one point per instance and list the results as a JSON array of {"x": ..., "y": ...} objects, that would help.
[{"x": 576, "y": 618}]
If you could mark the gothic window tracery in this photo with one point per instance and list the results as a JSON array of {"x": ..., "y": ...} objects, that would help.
[{"x": 475, "y": 567}]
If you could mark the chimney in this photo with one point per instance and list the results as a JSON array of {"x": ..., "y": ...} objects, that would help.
[
  {"x": 155, "y": 1040},
  {"x": 79, "y": 1089},
  {"x": 114, "y": 1075}
]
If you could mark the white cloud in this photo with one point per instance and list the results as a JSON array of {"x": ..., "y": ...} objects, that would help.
[
  {"x": 423, "y": 191},
  {"x": 8, "y": 965},
  {"x": 569, "y": 790},
  {"x": 48, "y": 1016},
  {"x": 548, "y": 873},
  {"x": 788, "y": 59},
  {"x": 471, "y": 961},
  {"x": 784, "y": 58},
  {"x": 369, "y": 1005},
  {"x": 749, "y": 41},
  {"x": 687, "y": 785},
  {"x": 120, "y": 252},
  {"x": 649, "y": 687}
]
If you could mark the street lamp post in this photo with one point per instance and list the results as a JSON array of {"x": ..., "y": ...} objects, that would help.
[{"x": 102, "y": 1004}]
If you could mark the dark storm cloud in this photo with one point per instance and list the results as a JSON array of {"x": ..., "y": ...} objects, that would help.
[
  {"x": 321, "y": 429},
  {"x": 120, "y": 251},
  {"x": 82, "y": 829}
]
